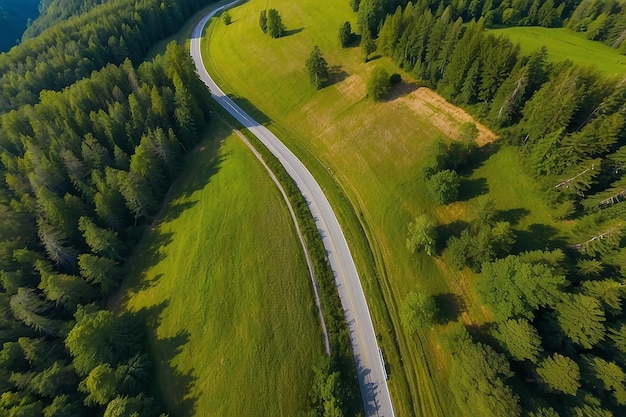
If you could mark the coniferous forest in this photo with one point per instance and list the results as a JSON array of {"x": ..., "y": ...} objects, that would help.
[
  {"x": 557, "y": 343},
  {"x": 90, "y": 139}
]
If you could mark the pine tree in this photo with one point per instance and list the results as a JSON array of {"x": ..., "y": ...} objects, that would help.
[{"x": 317, "y": 67}]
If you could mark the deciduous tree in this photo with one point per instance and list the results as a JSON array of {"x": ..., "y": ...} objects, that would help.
[
  {"x": 378, "y": 83},
  {"x": 422, "y": 235},
  {"x": 275, "y": 26},
  {"x": 418, "y": 312}
]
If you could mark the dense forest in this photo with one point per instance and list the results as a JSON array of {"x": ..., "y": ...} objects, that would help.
[
  {"x": 90, "y": 139},
  {"x": 70, "y": 50},
  {"x": 557, "y": 342}
]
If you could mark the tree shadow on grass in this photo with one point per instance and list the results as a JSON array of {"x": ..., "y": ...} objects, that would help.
[
  {"x": 450, "y": 307},
  {"x": 249, "y": 108},
  {"x": 513, "y": 216},
  {"x": 478, "y": 158},
  {"x": 291, "y": 32},
  {"x": 336, "y": 75},
  {"x": 171, "y": 385},
  {"x": 149, "y": 251},
  {"x": 400, "y": 90},
  {"x": 446, "y": 231},
  {"x": 538, "y": 237},
  {"x": 472, "y": 187}
]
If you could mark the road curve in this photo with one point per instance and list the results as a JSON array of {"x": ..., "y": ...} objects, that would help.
[{"x": 367, "y": 356}]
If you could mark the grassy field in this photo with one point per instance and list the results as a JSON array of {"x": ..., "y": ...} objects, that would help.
[
  {"x": 222, "y": 281},
  {"x": 368, "y": 157},
  {"x": 565, "y": 44}
]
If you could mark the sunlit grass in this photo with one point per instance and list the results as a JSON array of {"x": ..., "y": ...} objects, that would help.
[
  {"x": 564, "y": 44},
  {"x": 223, "y": 283}
]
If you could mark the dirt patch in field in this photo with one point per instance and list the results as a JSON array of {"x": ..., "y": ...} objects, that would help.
[{"x": 445, "y": 116}]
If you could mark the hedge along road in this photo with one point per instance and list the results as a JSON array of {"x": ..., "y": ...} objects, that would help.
[{"x": 367, "y": 356}]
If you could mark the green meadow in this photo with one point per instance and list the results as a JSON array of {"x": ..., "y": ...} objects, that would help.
[
  {"x": 222, "y": 283},
  {"x": 369, "y": 158},
  {"x": 565, "y": 44}
]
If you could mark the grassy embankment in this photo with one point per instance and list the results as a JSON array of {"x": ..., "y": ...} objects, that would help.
[
  {"x": 222, "y": 281},
  {"x": 368, "y": 157},
  {"x": 563, "y": 44}
]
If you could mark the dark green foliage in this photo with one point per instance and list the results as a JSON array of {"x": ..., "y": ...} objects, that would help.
[
  {"x": 263, "y": 20},
  {"x": 378, "y": 84},
  {"x": 604, "y": 21},
  {"x": 607, "y": 376},
  {"x": 101, "y": 338},
  {"x": 63, "y": 406},
  {"x": 131, "y": 406},
  {"x": 418, "y": 312},
  {"x": 345, "y": 34},
  {"x": 275, "y": 27},
  {"x": 63, "y": 205},
  {"x": 481, "y": 243},
  {"x": 55, "y": 11},
  {"x": 443, "y": 187},
  {"x": 370, "y": 14},
  {"x": 367, "y": 45},
  {"x": 317, "y": 68},
  {"x": 395, "y": 78}
]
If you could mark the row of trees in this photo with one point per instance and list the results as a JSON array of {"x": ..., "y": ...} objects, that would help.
[
  {"x": 549, "y": 13},
  {"x": 70, "y": 50},
  {"x": 271, "y": 23},
  {"x": 81, "y": 170}
]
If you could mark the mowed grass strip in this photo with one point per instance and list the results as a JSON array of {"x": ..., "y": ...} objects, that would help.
[
  {"x": 563, "y": 44},
  {"x": 222, "y": 282}
]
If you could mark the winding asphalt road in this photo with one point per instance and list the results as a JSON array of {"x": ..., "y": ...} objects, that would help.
[{"x": 370, "y": 369}]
